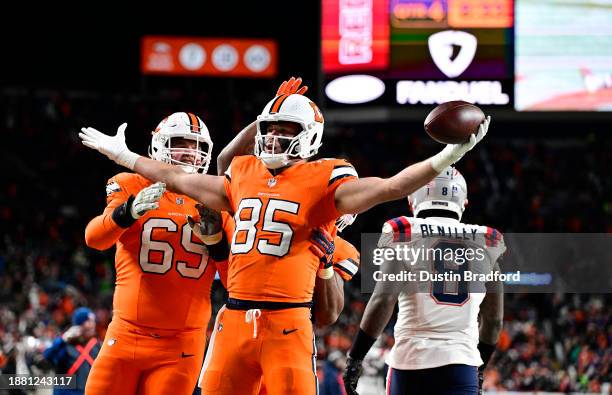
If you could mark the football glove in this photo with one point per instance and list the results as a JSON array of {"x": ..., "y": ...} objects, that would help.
[
  {"x": 113, "y": 147},
  {"x": 323, "y": 246},
  {"x": 135, "y": 207},
  {"x": 351, "y": 375},
  {"x": 209, "y": 228},
  {"x": 292, "y": 86},
  {"x": 453, "y": 152},
  {"x": 147, "y": 199}
]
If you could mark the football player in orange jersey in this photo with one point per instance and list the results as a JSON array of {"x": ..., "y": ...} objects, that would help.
[
  {"x": 277, "y": 198},
  {"x": 155, "y": 342},
  {"x": 328, "y": 295}
]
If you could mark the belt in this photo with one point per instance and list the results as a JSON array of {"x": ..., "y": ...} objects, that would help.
[{"x": 241, "y": 304}]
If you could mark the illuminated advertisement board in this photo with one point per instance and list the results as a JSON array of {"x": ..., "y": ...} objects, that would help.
[
  {"x": 197, "y": 56},
  {"x": 563, "y": 56},
  {"x": 427, "y": 52}
]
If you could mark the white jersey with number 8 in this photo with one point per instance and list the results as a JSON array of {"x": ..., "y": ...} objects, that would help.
[{"x": 437, "y": 323}]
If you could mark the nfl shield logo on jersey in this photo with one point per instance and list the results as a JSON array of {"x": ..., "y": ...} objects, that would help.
[
  {"x": 271, "y": 182},
  {"x": 179, "y": 200}
]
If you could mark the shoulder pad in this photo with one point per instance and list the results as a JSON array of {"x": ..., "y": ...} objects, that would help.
[
  {"x": 400, "y": 228},
  {"x": 494, "y": 237},
  {"x": 119, "y": 182}
]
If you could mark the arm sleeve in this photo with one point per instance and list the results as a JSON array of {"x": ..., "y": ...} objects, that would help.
[
  {"x": 346, "y": 259},
  {"x": 102, "y": 232}
]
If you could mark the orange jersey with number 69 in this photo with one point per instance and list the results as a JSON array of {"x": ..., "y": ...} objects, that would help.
[
  {"x": 164, "y": 274},
  {"x": 274, "y": 217}
]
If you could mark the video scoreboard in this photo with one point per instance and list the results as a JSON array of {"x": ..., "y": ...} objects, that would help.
[{"x": 425, "y": 52}]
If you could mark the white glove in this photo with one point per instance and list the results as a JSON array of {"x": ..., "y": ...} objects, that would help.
[
  {"x": 72, "y": 333},
  {"x": 147, "y": 199},
  {"x": 113, "y": 147},
  {"x": 453, "y": 152}
]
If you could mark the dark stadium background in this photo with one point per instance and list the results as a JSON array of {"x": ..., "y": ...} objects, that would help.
[{"x": 534, "y": 173}]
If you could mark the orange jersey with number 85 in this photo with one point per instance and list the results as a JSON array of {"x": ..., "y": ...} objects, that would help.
[{"x": 274, "y": 217}]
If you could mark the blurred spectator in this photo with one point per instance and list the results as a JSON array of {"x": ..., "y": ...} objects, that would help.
[
  {"x": 74, "y": 351},
  {"x": 332, "y": 374}
]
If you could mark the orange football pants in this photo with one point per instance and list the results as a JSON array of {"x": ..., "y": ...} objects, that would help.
[
  {"x": 146, "y": 361},
  {"x": 277, "y": 345}
]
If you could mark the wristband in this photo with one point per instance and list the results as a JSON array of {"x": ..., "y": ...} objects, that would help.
[
  {"x": 326, "y": 273},
  {"x": 127, "y": 159},
  {"x": 122, "y": 214},
  {"x": 441, "y": 161},
  {"x": 361, "y": 346}
]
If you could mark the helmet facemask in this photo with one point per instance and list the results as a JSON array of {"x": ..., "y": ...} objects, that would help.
[
  {"x": 168, "y": 144},
  {"x": 279, "y": 151},
  {"x": 296, "y": 109},
  {"x": 191, "y": 160}
]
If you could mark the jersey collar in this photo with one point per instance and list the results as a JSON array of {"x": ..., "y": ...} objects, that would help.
[{"x": 445, "y": 220}]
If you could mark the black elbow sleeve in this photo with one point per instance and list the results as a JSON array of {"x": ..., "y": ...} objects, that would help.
[{"x": 122, "y": 216}]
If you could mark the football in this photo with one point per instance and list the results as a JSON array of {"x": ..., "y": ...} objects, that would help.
[{"x": 453, "y": 122}]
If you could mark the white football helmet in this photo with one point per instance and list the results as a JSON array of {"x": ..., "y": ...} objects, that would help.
[
  {"x": 344, "y": 221},
  {"x": 448, "y": 191},
  {"x": 182, "y": 125},
  {"x": 289, "y": 108}
]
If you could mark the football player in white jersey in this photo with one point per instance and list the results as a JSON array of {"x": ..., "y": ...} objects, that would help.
[{"x": 445, "y": 333}]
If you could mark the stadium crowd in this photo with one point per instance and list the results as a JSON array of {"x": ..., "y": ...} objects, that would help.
[{"x": 51, "y": 187}]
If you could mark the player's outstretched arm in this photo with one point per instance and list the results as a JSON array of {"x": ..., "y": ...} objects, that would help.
[
  {"x": 359, "y": 195},
  {"x": 242, "y": 144},
  {"x": 201, "y": 187}
]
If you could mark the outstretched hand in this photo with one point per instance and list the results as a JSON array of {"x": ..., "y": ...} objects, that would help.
[
  {"x": 453, "y": 152},
  {"x": 114, "y": 147}
]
